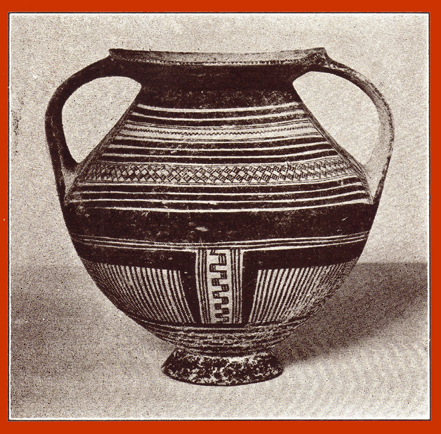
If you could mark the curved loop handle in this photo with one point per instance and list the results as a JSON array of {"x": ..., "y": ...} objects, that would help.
[
  {"x": 376, "y": 167},
  {"x": 63, "y": 163}
]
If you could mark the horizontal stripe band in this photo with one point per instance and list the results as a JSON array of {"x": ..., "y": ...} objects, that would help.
[
  {"x": 141, "y": 147},
  {"x": 235, "y": 146},
  {"x": 257, "y": 118},
  {"x": 220, "y": 110},
  {"x": 224, "y": 206},
  {"x": 178, "y": 151},
  {"x": 87, "y": 195},
  {"x": 236, "y": 141},
  {"x": 303, "y": 242},
  {"x": 217, "y": 189},
  {"x": 314, "y": 197},
  {"x": 220, "y": 123},
  {"x": 137, "y": 158},
  {"x": 226, "y": 211},
  {"x": 251, "y": 130}
]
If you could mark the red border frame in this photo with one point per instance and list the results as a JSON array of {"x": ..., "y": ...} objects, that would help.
[{"x": 225, "y": 6}]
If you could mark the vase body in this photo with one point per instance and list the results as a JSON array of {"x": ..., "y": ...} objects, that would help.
[{"x": 217, "y": 213}]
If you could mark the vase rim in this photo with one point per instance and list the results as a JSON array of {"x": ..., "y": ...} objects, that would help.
[{"x": 215, "y": 59}]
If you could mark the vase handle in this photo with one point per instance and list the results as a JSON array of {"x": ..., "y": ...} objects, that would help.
[
  {"x": 63, "y": 163},
  {"x": 376, "y": 167}
]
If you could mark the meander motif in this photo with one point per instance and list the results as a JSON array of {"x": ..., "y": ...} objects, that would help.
[{"x": 217, "y": 213}]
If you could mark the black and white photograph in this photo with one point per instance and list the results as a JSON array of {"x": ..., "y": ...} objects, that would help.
[{"x": 219, "y": 216}]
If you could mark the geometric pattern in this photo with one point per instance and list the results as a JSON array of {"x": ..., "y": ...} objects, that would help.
[
  {"x": 144, "y": 292},
  {"x": 219, "y": 285},
  {"x": 282, "y": 294},
  {"x": 219, "y": 174},
  {"x": 176, "y": 160}
]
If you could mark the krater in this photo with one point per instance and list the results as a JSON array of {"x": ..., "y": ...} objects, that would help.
[{"x": 217, "y": 213}]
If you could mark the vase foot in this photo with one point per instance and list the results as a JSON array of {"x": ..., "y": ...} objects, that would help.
[{"x": 221, "y": 370}]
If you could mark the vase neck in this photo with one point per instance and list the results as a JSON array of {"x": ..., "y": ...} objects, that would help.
[{"x": 216, "y": 70}]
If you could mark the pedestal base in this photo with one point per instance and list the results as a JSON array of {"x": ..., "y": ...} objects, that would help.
[{"x": 221, "y": 370}]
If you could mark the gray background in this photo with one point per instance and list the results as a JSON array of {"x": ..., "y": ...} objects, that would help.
[{"x": 75, "y": 356}]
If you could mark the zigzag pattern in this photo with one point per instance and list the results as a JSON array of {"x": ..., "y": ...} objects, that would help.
[{"x": 225, "y": 174}]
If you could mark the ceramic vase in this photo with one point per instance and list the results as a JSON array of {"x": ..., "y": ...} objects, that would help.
[{"x": 217, "y": 213}]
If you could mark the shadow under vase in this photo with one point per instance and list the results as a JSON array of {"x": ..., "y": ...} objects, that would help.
[{"x": 372, "y": 299}]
